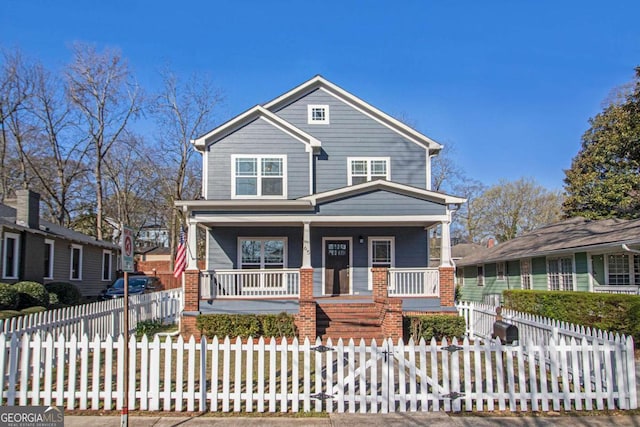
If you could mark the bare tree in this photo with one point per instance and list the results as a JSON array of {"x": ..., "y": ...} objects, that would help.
[
  {"x": 183, "y": 110},
  {"x": 103, "y": 90},
  {"x": 509, "y": 209},
  {"x": 467, "y": 220}
]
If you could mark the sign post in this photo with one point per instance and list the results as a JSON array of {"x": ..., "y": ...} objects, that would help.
[{"x": 127, "y": 267}]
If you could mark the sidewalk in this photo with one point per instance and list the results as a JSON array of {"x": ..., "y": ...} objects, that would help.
[{"x": 431, "y": 419}]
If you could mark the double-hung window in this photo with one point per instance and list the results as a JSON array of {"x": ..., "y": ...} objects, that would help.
[
  {"x": 480, "y": 275},
  {"x": 500, "y": 268},
  {"x": 106, "y": 265},
  {"x": 11, "y": 256},
  {"x": 525, "y": 274},
  {"x": 363, "y": 169},
  {"x": 75, "y": 268},
  {"x": 560, "y": 274},
  {"x": 259, "y": 176},
  {"x": 48, "y": 258},
  {"x": 623, "y": 269},
  {"x": 262, "y": 252},
  {"x": 381, "y": 253}
]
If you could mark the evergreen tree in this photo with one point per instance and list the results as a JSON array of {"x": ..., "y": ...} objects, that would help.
[{"x": 604, "y": 178}]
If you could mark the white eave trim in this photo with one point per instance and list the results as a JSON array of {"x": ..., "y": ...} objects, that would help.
[
  {"x": 370, "y": 110},
  {"x": 384, "y": 185},
  {"x": 256, "y": 112},
  {"x": 243, "y": 205}
]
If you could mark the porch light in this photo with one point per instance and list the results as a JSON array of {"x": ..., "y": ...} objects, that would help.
[{"x": 361, "y": 239}]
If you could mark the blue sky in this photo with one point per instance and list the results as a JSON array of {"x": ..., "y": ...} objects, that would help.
[{"x": 510, "y": 84}]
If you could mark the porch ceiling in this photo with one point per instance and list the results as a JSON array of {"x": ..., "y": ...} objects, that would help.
[{"x": 317, "y": 221}]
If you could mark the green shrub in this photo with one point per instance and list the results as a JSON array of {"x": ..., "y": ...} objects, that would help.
[
  {"x": 246, "y": 325},
  {"x": 437, "y": 326},
  {"x": 6, "y": 314},
  {"x": 34, "y": 309},
  {"x": 8, "y": 297},
  {"x": 277, "y": 325},
  {"x": 67, "y": 293},
  {"x": 612, "y": 312},
  {"x": 30, "y": 294},
  {"x": 148, "y": 328}
]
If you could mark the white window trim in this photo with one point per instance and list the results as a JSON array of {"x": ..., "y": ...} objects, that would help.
[
  {"x": 573, "y": 273},
  {"x": 529, "y": 275},
  {"x": 370, "y": 241},
  {"x": 285, "y": 241},
  {"x": 107, "y": 252},
  {"x": 368, "y": 160},
  {"x": 71, "y": 248},
  {"x": 52, "y": 251},
  {"x": 259, "y": 158},
  {"x": 16, "y": 258},
  {"x": 310, "y": 119},
  {"x": 504, "y": 271},
  {"x": 480, "y": 277},
  {"x": 630, "y": 264},
  {"x": 324, "y": 244}
]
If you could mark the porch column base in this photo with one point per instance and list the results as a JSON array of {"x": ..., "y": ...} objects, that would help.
[
  {"x": 390, "y": 309},
  {"x": 306, "y": 318},
  {"x": 188, "y": 326},
  {"x": 191, "y": 291},
  {"x": 447, "y": 286}
]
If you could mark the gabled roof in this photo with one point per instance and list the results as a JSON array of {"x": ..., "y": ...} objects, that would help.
[
  {"x": 568, "y": 236},
  {"x": 49, "y": 229},
  {"x": 462, "y": 250},
  {"x": 320, "y": 82},
  {"x": 381, "y": 184},
  {"x": 248, "y": 116}
]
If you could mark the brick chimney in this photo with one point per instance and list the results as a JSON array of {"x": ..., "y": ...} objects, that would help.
[
  {"x": 491, "y": 243},
  {"x": 28, "y": 209}
]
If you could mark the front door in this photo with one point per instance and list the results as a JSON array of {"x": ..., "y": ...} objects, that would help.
[{"x": 336, "y": 267}]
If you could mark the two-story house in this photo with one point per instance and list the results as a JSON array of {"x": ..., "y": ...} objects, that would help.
[{"x": 304, "y": 200}]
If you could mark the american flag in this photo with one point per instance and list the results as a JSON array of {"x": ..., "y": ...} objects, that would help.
[{"x": 181, "y": 256}]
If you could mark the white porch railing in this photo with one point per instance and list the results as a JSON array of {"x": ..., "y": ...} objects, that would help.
[
  {"x": 414, "y": 282},
  {"x": 622, "y": 289},
  {"x": 282, "y": 283}
]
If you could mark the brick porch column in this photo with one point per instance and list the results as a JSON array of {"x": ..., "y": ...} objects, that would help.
[
  {"x": 447, "y": 286},
  {"x": 392, "y": 323},
  {"x": 306, "y": 318},
  {"x": 191, "y": 309},
  {"x": 380, "y": 284}
]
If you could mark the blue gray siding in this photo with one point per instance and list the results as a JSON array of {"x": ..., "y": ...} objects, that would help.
[
  {"x": 257, "y": 137},
  {"x": 351, "y": 133},
  {"x": 381, "y": 203}
]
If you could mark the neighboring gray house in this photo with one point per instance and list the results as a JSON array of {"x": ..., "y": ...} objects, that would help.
[
  {"x": 576, "y": 254},
  {"x": 318, "y": 179},
  {"x": 40, "y": 251}
]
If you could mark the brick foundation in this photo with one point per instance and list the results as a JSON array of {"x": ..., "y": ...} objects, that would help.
[
  {"x": 188, "y": 326},
  {"x": 447, "y": 287}
]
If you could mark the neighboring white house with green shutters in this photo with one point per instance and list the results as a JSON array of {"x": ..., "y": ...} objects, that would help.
[{"x": 572, "y": 255}]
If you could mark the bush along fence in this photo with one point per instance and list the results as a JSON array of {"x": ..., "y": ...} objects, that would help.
[
  {"x": 104, "y": 318},
  {"x": 540, "y": 330},
  {"x": 287, "y": 376}
]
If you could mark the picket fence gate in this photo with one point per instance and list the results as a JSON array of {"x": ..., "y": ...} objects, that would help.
[
  {"x": 172, "y": 374},
  {"x": 102, "y": 318}
]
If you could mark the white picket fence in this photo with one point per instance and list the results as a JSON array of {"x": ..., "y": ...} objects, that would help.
[
  {"x": 271, "y": 376},
  {"x": 104, "y": 318},
  {"x": 540, "y": 330}
]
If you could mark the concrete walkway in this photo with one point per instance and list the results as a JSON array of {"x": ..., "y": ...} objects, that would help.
[{"x": 349, "y": 420}]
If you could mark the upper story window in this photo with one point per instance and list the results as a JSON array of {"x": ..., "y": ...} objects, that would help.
[
  {"x": 48, "y": 258},
  {"x": 318, "y": 114},
  {"x": 259, "y": 176},
  {"x": 11, "y": 251},
  {"x": 363, "y": 169}
]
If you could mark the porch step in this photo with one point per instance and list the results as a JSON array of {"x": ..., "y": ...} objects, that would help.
[{"x": 348, "y": 320}]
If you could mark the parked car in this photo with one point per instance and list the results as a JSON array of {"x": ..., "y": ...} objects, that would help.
[{"x": 137, "y": 285}]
